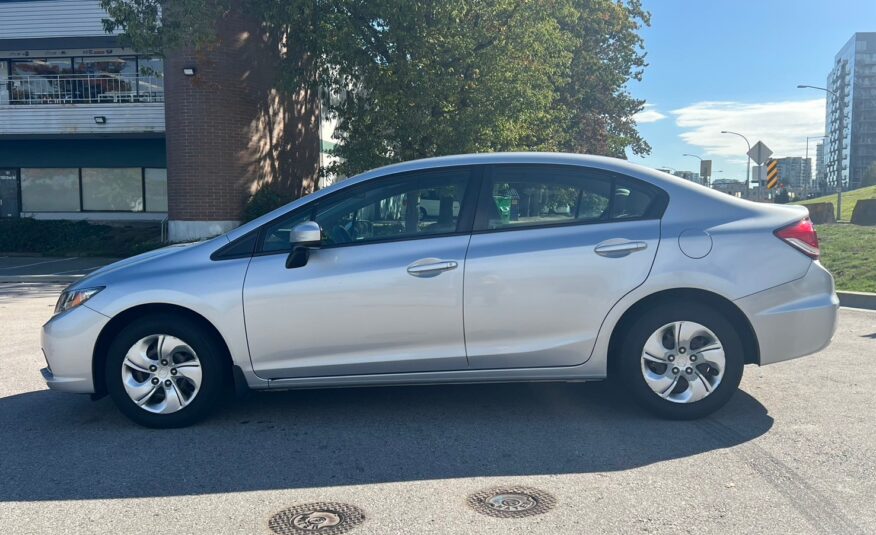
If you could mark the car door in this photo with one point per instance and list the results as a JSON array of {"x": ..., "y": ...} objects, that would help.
[
  {"x": 553, "y": 249},
  {"x": 383, "y": 292}
]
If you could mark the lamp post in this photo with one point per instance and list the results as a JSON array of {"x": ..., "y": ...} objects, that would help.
[
  {"x": 705, "y": 181},
  {"x": 839, "y": 147},
  {"x": 748, "y": 166}
]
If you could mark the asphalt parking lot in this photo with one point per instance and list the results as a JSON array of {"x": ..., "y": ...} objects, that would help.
[
  {"x": 45, "y": 269},
  {"x": 794, "y": 452}
]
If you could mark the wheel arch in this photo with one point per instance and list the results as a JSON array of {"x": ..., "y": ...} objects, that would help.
[
  {"x": 748, "y": 336},
  {"x": 128, "y": 316}
]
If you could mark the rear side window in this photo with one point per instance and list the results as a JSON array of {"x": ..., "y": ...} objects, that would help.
[
  {"x": 525, "y": 196},
  {"x": 530, "y": 196},
  {"x": 632, "y": 200}
]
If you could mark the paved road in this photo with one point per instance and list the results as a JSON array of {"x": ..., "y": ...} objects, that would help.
[{"x": 794, "y": 452}]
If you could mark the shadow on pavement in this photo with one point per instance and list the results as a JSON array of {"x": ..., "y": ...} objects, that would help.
[{"x": 63, "y": 447}]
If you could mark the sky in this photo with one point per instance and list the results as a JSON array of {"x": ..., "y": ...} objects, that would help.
[{"x": 735, "y": 65}]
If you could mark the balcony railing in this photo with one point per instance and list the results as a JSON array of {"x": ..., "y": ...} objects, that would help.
[{"x": 84, "y": 89}]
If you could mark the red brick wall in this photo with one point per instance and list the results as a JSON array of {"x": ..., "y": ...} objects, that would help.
[{"x": 226, "y": 127}]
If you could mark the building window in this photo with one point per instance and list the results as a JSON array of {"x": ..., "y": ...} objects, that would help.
[
  {"x": 156, "y": 189},
  {"x": 50, "y": 190},
  {"x": 112, "y": 190}
]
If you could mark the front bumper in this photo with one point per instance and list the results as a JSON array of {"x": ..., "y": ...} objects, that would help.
[
  {"x": 793, "y": 319},
  {"x": 68, "y": 344}
]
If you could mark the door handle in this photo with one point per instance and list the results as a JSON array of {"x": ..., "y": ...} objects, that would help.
[
  {"x": 430, "y": 267},
  {"x": 617, "y": 250}
]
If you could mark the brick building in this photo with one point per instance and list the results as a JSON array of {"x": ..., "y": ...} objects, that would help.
[{"x": 91, "y": 130}]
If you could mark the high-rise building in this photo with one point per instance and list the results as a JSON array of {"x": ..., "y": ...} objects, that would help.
[
  {"x": 795, "y": 172},
  {"x": 852, "y": 82}
]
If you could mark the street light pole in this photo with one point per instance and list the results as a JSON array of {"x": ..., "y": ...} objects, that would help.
[
  {"x": 705, "y": 179},
  {"x": 839, "y": 147},
  {"x": 747, "y": 167}
]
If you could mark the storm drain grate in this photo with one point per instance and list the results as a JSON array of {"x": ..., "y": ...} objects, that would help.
[
  {"x": 324, "y": 518},
  {"x": 511, "y": 502}
]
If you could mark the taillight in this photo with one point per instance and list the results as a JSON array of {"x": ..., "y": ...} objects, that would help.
[{"x": 801, "y": 236}]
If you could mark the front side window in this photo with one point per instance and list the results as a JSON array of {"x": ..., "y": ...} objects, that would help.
[{"x": 409, "y": 206}]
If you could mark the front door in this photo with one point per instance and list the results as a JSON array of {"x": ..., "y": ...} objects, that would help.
[
  {"x": 553, "y": 249},
  {"x": 9, "y": 206},
  {"x": 383, "y": 293}
]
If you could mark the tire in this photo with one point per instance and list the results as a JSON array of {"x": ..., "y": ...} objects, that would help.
[
  {"x": 683, "y": 401},
  {"x": 193, "y": 382},
  {"x": 423, "y": 213}
]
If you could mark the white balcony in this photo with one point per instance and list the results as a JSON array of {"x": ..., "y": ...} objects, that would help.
[{"x": 81, "y": 104}]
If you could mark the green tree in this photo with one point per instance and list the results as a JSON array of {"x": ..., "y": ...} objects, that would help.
[{"x": 417, "y": 79}]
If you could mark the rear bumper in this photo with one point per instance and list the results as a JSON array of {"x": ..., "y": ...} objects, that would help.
[
  {"x": 68, "y": 345},
  {"x": 794, "y": 319}
]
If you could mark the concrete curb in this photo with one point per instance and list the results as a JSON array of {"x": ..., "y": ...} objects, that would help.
[
  {"x": 39, "y": 279},
  {"x": 857, "y": 300}
]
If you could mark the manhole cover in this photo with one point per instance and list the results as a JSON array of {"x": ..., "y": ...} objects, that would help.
[
  {"x": 324, "y": 518},
  {"x": 511, "y": 502}
]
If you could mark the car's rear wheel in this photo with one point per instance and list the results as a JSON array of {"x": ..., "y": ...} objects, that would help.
[
  {"x": 681, "y": 360},
  {"x": 165, "y": 371}
]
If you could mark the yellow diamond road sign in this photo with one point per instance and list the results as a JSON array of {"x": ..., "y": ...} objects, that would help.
[{"x": 772, "y": 179}]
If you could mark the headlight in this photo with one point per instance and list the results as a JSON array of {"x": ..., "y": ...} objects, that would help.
[{"x": 71, "y": 299}]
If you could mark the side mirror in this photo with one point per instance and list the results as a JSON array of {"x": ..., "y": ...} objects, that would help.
[
  {"x": 303, "y": 237},
  {"x": 308, "y": 234}
]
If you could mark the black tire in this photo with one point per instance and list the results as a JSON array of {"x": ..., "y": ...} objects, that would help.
[
  {"x": 214, "y": 369},
  {"x": 645, "y": 324},
  {"x": 423, "y": 214}
]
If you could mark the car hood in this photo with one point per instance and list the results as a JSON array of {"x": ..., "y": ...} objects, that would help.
[{"x": 98, "y": 276}]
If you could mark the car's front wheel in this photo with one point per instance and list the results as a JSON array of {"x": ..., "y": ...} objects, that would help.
[
  {"x": 165, "y": 371},
  {"x": 682, "y": 360}
]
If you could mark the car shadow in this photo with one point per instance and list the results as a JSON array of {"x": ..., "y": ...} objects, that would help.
[{"x": 62, "y": 447}]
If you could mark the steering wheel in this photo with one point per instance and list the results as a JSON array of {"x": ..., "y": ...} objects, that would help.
[
  {"x": 362, "y": 227},
  {"x": 340, "y": 235}
]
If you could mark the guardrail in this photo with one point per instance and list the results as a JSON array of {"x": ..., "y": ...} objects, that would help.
[{"x": 83, "y": 89}]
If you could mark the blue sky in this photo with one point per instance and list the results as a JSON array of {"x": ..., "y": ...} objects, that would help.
[{"x": 734, "y": 65}]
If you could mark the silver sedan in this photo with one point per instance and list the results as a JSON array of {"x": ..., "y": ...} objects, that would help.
[{"x": 477, "y": 268}]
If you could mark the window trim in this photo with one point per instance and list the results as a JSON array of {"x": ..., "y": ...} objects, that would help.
[
  {"x": 463, "y": 227},
  {"x": 655, "y": 210}
]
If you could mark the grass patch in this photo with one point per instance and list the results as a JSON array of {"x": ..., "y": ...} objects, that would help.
[
  {"x": 849, "y": 252},
  {"x": 76, "y": 238},
  {"x": 850, "y": 199}
]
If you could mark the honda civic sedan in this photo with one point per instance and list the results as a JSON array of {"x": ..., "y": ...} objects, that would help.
[{"x": 530, "y": 267}]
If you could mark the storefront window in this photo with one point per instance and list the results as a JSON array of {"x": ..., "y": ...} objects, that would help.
[
  {"x": 112, "y": 189},
  {"x": 156, "y": 189},
  {"x": 50, "y": 190}
]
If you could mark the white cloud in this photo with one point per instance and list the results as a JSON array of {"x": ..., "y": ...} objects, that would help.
[
  {"x": 782, "y": 126},
  {"x": 648, "y": 115}
]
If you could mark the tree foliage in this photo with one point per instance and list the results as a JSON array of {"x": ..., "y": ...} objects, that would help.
[{"x": 417, "y": 79}]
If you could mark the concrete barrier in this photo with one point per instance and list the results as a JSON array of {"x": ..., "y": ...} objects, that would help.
[
  {"x": 821, "y": 212},
  {"x": 865, "y": 212}
]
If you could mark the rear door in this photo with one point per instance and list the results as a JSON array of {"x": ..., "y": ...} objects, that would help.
[{"x": 553, "y": 249}]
